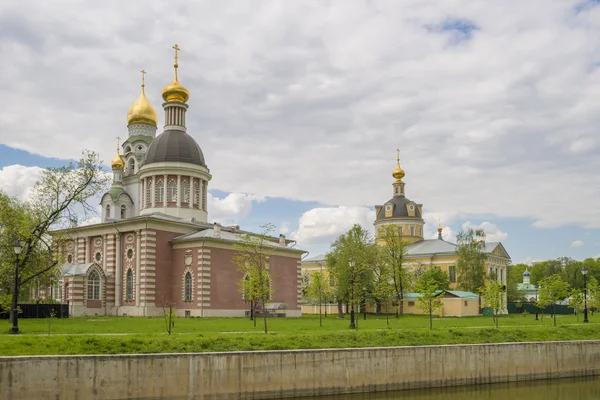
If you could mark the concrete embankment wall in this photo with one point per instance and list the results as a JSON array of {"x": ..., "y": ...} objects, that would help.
[{"x": 279, "y": 374}]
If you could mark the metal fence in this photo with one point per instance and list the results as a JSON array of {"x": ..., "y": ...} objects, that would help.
[
  {"x": 519, "y": 308},
  {"x": 39, "y": 311}
]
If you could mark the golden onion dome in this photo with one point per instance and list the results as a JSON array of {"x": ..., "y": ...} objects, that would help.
[
  {"x": 175, "y": 91},
  {"x": 398, "y": 173},
  {"x": 117, "y": 162},
  {"x": 142, "y": 112}
]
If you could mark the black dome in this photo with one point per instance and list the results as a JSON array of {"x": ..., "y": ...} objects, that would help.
[
  {"x": 175, "y": 146},
  {"x": 400, "y": 210}
]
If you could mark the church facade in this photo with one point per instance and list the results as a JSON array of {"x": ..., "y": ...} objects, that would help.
[{"x": 154, "y": 246}]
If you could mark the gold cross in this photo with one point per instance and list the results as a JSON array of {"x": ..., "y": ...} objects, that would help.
[
  {"x": 176, "y": 50},
  {"x": 118, "y": 141},
  {"x": 143, "y": 76},
  {"x": 398, "y": 150}
]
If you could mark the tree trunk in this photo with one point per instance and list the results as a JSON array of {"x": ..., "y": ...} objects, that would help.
[
  {"x": 430, "y": 316},
  {"x": 554, "y": 311},
  {"x": 264, "y": 316},
  {"x": 340, "y": 309},
  {"x": 320, "y": 321}
]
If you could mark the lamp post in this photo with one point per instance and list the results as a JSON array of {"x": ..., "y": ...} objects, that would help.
[
  {"x": 585, "y": 314},
  {"x": 536, "y": 306},
  {"x": 365, "y": 303},
  {"x": 351, "y": 265},
  {"x": 15, "y": 328}
]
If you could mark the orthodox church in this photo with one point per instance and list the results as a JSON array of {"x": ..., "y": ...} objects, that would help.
[
  {"x": 422, "y": 253},
  {"x": 154, "y": 246}
]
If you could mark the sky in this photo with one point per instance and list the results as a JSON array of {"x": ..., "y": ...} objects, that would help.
[{"x": 299, "y": 107}]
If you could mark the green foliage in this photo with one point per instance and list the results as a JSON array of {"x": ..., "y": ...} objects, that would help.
[
  {"x": 514, "y": 277},
  {"x": 593, "y": 293},
  {"x": 350, "y": 262},
  {"x": 41, "y": 221},
  {"x": 552, "y": 290},
  {"x": 429, "y": 298},
  {"x": 442, "y": 282},
  {"x": 169, "y": 317},
  {"x": 470, "y": 261},
  {"x": 318, "y": 290},
  {"x": 392, "y": 251},
  {"x": 494, "y": 297},
  {"x": 253, "y": 258},
  {"x": 576, "y": 301}
]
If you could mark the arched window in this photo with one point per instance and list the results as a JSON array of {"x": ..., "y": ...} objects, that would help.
[
  {"x": 132, "y": 165},
  {"x": 127, "y": 149},
  {"x": 185, "y": 191},
  {"x": 93, "y": 286},
  {"x": 172, "y": 190},
  {"x": 129, "y": 285},
  {"x": 108, "y": 211},
  {"x": 160, "y": 191},
  {"x": 188, "y": 287},
  {"x": 123, "y": 210}
]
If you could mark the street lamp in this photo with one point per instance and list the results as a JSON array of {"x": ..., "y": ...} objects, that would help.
[
  {"x": 15, "y": 328},
  {"x": 584, "y": 273},
  {"x": 351, "y": 265},
  {"x": 365, "y": 303},
  {"x": 537, "y": 310}
]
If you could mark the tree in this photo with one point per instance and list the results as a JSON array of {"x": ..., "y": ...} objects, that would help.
[
  {"x": 514, "y": 277},
  {"x": 470, "y": 261},
  {"x": 493, "y": 294},
  {"x": 429, "y": 298},
  {"x": 384, "y": 290},
  {"x": 576, "y": 302},
  {"x": 438, "y": 276},
  {"x": 393, "y": 250},
  {"x": 317, "y": 290},
  {"x": 349, "y": 263},
  {"x": 42, "y": 221},
  {"x": 553, "y": 290},
  {"x": 253, "y": 258},
  {"x": 593, "y": 294}
]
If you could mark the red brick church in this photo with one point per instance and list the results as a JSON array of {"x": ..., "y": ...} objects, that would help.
[{"x": 155, "y": 246}]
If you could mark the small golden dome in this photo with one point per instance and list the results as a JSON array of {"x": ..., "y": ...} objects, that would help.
[
  {"x": 440, "y": 229},
  {"x": 142, "y": 112},
  {"x": 398, "y": 173},
  {"x": 117, "y": 162},
  {"x": 175, "y": 92}
]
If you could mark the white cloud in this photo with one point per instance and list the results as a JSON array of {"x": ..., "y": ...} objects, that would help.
[
  {"x": 577, "y": 243},
  {"x": 17, "y": 180},
  {"x": 492, "y": 232},
  {"x": 325, "y": 224},
  {"x": 307, "y": 100},
  {"x": 231, "y": 209}
]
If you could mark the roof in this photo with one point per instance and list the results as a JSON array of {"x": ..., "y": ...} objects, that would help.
[
  {"x": 454, "y": 293},
  {"x": 400, "y": 210},
  {"x": 76, "y": 269},
  {"x": 237, "y": 237},
  {"x": 134, "y": 138},
  {"x": 116, "y": 192},
  {"x": 315, "y": 259},
  {"x": 528, "y": 287},
  {"x": 174, "y": 146},
  {"x": 430, "y": 246}
]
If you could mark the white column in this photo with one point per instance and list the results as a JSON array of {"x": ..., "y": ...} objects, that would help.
[
  {"x": 118, "y": 271},
  {"x": 190, "y": 192},
  {"x": 178, "y": 191},
  {"x": 165, "y": 190},
  {"x": 138, "y": 247},
  {"x": 143, "y": 194},
  {"x": 104, "y": 263},
  {"x": 153, "y": 191}
]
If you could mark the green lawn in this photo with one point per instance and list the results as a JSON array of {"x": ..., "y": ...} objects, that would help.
[{"x": 111, "y": 335}]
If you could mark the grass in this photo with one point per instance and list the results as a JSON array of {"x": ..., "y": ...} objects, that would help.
[{"x": 118, "y": 335}]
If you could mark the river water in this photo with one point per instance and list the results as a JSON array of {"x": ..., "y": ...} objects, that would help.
[{"x": 558, "y": 389}]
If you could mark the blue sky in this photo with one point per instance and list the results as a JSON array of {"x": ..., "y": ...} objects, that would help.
[{"x": 299, "y": 108}]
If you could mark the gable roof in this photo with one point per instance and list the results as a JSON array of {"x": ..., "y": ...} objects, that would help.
[
  {"x": 430, "y": 246},
  {"x": 79, "y": 269},
  {"x": 227, "y": 236},
  {"x": 319, "y": 258}
]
